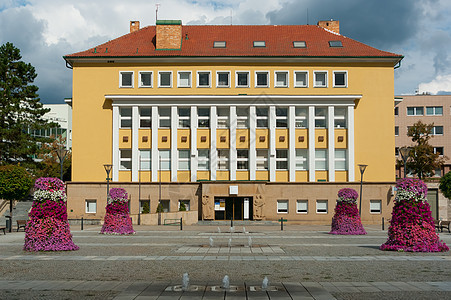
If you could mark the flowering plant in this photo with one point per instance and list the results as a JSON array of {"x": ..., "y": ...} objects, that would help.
[
  {"x": 48, "y": 208},
  {"x": 43, "y": 195},
  {"x": 49, "y": 184},
  {"x": 346, "y": 219},
  {"x": 347, "y": 195},
  {"x": 118, "y": 194},
  {"x": 411, "y": 189}
]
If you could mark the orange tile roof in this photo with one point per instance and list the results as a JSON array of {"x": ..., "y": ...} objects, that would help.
[{"x": 279, "y": 43}]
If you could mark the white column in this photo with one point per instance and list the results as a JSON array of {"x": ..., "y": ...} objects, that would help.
[
  {"x": 252, "y": 142},
  {"x": 135, "y": 143},
  {"x": 311, "y": 143},
  {"x": 232, "y": 155},
  {"x": 246, "y": 209},
  {"x": 272, "y": 143},
  {"x": 115, "y": 146},
  {"x": 292, "y": 143},
  {"x": 351, "y": 166},
  {"x": 213, "y": 150},
  {"x": 331, "y": 143},
  {"x": 174, "y": 152},
  {"x": 193, "y": 126},
  {"x": 155, "y": 153}
]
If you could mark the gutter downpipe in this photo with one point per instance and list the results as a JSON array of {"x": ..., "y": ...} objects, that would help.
[{"x": 397, "y": 66}]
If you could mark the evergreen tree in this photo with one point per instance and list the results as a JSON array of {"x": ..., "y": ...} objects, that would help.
[
  {"x": 423, "y": 161},
  {"x": 21, "y": 112}
]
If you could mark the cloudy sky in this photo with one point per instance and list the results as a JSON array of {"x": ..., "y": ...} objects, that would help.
[{"x": 45, "y": 30}]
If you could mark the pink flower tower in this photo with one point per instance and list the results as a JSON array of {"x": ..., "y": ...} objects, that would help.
[
  {"x": 117, "y": 219},
  {"x": 48, "y": 229},
  {"x": 346, "y": 219},
  {"x": 412, "y": 226}
]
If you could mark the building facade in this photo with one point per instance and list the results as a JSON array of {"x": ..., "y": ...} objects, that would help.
[{"x": 242, "y": 122}]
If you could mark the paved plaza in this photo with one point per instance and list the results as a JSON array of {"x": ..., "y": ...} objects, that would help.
[{"x": 301, "y": 262}]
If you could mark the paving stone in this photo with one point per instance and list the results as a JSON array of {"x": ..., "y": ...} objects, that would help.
[
  {"x": 385, "y": 287},
  {"x": 403, "y": 286}
]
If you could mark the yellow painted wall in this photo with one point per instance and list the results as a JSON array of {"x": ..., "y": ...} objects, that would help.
[
  {"x": 183, "y": 176},
  {"x": 281, "y": 138},
  {"x": 203, "y": 133},
  {"x": 321, "y": 175},
  {"x": 222, "y": 133},
  {"x": 301, "y": 176},
  {"x": 125, "y": 176},
  {"x": 239, "y": 134},
  {"x": 165, "y": 176},
  {"x": 183, "y": 133},
  {"x": 261, "y": 175},
  {"x": 259, "y": 144},
  {"x": 320, "y": 133},
  {"x": 222, "y": 175},
  {"x": 164, "y": 133},
  {"x": 146, "y": 176},
  {"x": 125, "y": 138},
  {"x": 282, "y": 176},
  {"x": 145, "y": 133},
  {"x": 299, "y": 135},
  {"x": 92, "y": 114},
  {"x": 242, "y": 175},
  {"x": 341, "y": 176},
  {"x": 341, "y": 133},
  {"x": 203, "y": 175}
]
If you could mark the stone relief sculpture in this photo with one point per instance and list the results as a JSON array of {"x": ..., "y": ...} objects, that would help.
[
  {"x": 207, "y": 208},
  {"x": 258, "y": 207}
]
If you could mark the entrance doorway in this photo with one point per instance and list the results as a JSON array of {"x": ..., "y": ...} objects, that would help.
[{"x": 233, "y": 208}]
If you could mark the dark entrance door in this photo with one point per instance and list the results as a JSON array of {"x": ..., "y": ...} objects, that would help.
[{"x": 234, "y": 208}]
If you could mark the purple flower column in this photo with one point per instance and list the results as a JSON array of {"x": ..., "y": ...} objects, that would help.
[
  {"x": 117, "y": 219},
  {"x": 346, "y": 218}
]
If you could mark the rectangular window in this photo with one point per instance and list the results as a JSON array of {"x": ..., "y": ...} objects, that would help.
[
  {"x": 434, "y": 110},
  {"x": 262, "y": 117},
  {"x": 219, "y": 44},
  {"x": 340, "y": 117},
  {"x": 203, "y": 117},
  {"x": 203, "y": 79},
  {"x": 282, "y": 206},
  {"x": 126, "y": 79},
  {"x": 223, "y": 79},
  {"x": 437, "y": 130},
  {"x": 321, "y": 206},
  {"x": 396, "y": 111},
  {"x": 143, "y": 204},
  {"x": 166, "y": 204},
  {"x": 340, "y": 79},
  {"x": 396, "y": 151},
  {"x": 301, "y": 159},
  {"x": 281, "y": 159},
  {"x": 242, "y": 117},
  {"x": 165, "y": 79},
  {"x": 165, "y": 160},
  {"x": 320, "y": 117},
  {"x": 415, "y": 110},
  {"x": 281, "y": 117},
  {"x": 223, "y": 117},
  {"x": 320, "y": 78},
  {"x": 302, "y": 206},
  {"x": 184, "y": 160},
  {"x": 203, "y": 162},
  {"x": 281, "y": 79},
  {"x": 145, "y": 160},
  {"x": 396, "y": 130},
  {"x": 438, "y": 150},
  {"x": 301, "y": 117},
  {"x": 91, "y": 206},
  {"x": 145, "y": 79},
  {"x": 164, "y": 117},
  {"x": 125, "y": 158},
  {"x": 262, "y": 159},
  {"x": 259, "y": 44},
  {"x": 125, "y": 114},
  {"x": 375, "y": 206},
  {"x": 184, "y": 117},
  {"x": 242, "y": 159},
  {"x": 301, "y": 79},
  {"x": 262, "y": 79},
  {"x": 145, "y": 117},
  {"x": 242, "y": 79},
  {"x": 320, "y": 159},
  {"x": 299, "y": 44},
  {"x": 340, "y": 159},
  {"x": 184, "y": 79},
  {"x": 223, "y": 159},
  {"x": 184, "y": 203}
]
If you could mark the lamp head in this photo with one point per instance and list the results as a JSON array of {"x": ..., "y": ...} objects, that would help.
[
  {"x": 362, "y": 168},
  {"x": 405, "y": 152},
  {"x": 108, "y": 168}
]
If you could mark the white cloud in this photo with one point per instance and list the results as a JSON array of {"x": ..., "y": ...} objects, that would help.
[{"x": 442, "y": 83}]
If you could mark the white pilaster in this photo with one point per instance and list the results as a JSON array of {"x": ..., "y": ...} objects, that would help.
[
  {"x": 155, "y": 154},
  {"x": 331, "y": 143},
  {"x": 291, "y": 143},
  {"x": 174, "y": 152},
  {"x": 252, "y": 143},
  {"x": 135, "y": 141},
  {"x": 351, "y": 166},
  {"x": 272, "y": 143},
  {"x": 193, "y": 126},
  {"x": 232, "y": 155},
  {"x": 213, "y": 150},
  {"x": 115, "y": 146},
  {"x": 311, "y": 143}
]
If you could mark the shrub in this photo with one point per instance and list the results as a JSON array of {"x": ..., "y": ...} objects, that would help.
[
  {"x": 146, "y": 208},
  {"x": 15, "y": 182},
  {"x": 182, "y": 206},
  {"x": 445, "y": 185}
]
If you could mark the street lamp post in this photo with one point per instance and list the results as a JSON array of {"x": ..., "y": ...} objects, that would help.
[
  {"x": 108, "y": 168},
  {"x": 362, "y": 170},
  {"x": 61, "y": 153},
  {"x": 159, "y": 190},
  {"x": 405, "y": 152}
]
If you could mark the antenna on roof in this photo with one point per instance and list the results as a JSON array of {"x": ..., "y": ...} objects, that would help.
[
  {"x": 156, "y": 11},
  {"x": 307, "y": 16},
  {"x": 231, "y": 17}
]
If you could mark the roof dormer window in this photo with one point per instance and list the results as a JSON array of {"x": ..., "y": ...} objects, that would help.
[
  {"x": 219, "y": 44},
  {"x": 299, "y": 44},
  {"x": 335, "y": 44},
  {"x": 259, "y": 44}
]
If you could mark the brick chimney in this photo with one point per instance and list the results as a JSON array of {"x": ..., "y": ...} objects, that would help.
[
  {"x": 169, "y": 34},
  {"x": 332, "y": 25},
  {"x": 134, "y": 26}
]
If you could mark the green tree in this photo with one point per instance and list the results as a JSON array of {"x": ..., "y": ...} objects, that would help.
[
  {"x": 49, "y": 165},
  {"x": 21, "y": 112},
  {"x": 15, "y": 182},
  {"x": 445, "y": 185},
  {"x": 422, "y": 159}
]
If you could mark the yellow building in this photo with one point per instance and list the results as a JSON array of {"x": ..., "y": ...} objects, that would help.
[{"x": 243, "y": 122}]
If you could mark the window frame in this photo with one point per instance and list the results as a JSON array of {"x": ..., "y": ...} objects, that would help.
[
  {"x": 281, "y": 210},
  {"x": 204, "y": 159},
  {"x": 327, "y": 206},
  {"x": 306, "y": 79},
  {"x": 260, "y": 158},
  {"x": 380, "y": 207},
  {"x": 338, "y": 117},
  {"x": 268, "y": 79},
  {"x": 198, "y": 73},
  {"x": 222, "y": 118},
  {"x": 303, "y": 159},
  {"x": 282, "y": 159},
  {"x": 415, "y": 110},
  {"x": 125, "y": 118},
  {"x": 241, "y": 118},
  {"x": 164, "y": 117},
  {"x": 145, "y": 118},
  {"x": 319, "y": 117},
  {"x": 298, "y": 211},
  {"x": 434, "y": 130},
  {"x": 261, "y": 117},
  {"x": 87, "y": 206},
  {"x": 203, "y": 118},
  {"x": 440, "y": 153},
  {"x": 145, "y": 160},
  {"x": 125, "y": 159},
  {"x": 228, "y": 79},
  {"x": 222, "y": 159},
  {"x": 321, "y": 159},
  {"x": 315, "y": 73},
  {"x": 340, "y": 159},
  {"x": 161, "y": 160},
  {"x": 241, "y": 159},
  {"x": 345, "y": 79},
  {"x": 190, "y": 83},
  {"x": 186, "y": 202},
  {"x": 282, "y": 118},
  {"x": 183, "y": 118},
  {"x": 140, "y": 84},
  {"x": 396, "y": 130},
  {"x": 184, "y": 159},
  {"x": 287, "y": 79},
  {"x": 170, "y": 79},
  {"x": 237, "y": 85},
  {"x": 121, "y": 85},
  {"x": 298, "y": 119},
  {"x": 434, "y": 109}
]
